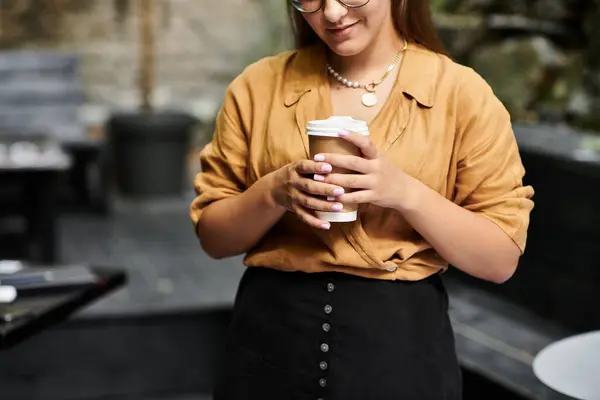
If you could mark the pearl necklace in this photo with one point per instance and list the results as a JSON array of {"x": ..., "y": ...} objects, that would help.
[{"x": 368, "y": 99}]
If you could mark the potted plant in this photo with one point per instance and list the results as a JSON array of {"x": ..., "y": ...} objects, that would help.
[{"x": 149, "y": 147}]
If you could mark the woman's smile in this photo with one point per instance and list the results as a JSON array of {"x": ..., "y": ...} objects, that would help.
[{"x": 344, "y": 31}]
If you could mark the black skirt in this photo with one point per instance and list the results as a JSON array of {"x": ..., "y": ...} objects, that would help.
[{"x": 335, "y": 336}]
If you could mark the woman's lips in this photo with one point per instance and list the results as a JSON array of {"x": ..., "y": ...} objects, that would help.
[{"x": 342, "y": 32}]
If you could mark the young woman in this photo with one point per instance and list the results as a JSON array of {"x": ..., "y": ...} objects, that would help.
[{"x": 357, "y": 310}]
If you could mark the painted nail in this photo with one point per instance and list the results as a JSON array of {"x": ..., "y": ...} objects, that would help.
[
  {"x": 337, "y": 207},
  {"x": 326, "y": 168},
  {"x": 318, "y": 177},
  {"x": 338, "y": 191},
  {"x": 326, "y": 225},
  {"x": 330, "y": 198},
  {"x": 319, "y": 157},
  {"x": 344, "y": 133}
]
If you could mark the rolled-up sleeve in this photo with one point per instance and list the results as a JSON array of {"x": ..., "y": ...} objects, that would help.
[
  {"x": 490, "y": 173},
  {"x": 223, "y": 161}
]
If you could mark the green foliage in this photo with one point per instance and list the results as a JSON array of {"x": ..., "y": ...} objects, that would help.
[{"x": 438, "y": 5}]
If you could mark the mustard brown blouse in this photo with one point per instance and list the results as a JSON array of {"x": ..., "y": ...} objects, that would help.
[{"x": 442, "y": 124}]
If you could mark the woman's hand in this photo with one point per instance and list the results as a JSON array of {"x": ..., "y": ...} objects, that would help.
[
  {"x": 378, "y": 181},
  {"x": 295, "y": 190}
]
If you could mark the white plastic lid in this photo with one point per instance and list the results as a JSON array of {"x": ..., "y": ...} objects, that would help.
[
  {"x": 337, "y": 216},
  {"x": 332, "y": 125}
]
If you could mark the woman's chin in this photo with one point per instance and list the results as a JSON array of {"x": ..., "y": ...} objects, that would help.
[{"x": 347, "y": 48}]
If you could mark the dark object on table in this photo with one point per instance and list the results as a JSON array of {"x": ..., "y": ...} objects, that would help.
[
  {"x": 35, "y": 279},
  {"x": 36, "y": 310},
  {"x": 149, "y": 152}
]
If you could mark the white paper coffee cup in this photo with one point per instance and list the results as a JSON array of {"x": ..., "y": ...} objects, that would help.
[{"x": 324, "y": 138}]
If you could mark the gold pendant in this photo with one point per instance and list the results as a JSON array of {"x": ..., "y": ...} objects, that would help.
[{"x": 369, "y": 99}]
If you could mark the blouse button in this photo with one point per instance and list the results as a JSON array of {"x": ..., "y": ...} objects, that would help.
[
  {"x": 326, "y": 327},
  {"x": 322, "y": 382},
  {"x": 323, "y": 365},
  {"x": 330, "y": 287},
  {"x": 328, "y": 309},
  {"x": 324, "y": 347}
]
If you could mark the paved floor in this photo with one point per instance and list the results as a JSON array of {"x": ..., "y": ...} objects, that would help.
[{"x": 155, "y": 243}]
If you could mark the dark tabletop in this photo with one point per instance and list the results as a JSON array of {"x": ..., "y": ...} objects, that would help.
[{"x": 43, "y": 309}]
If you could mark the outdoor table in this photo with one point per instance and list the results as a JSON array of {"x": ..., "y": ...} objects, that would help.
[
  {"x": 571, "y": 366},
  {"x": 37, "y": 309}
]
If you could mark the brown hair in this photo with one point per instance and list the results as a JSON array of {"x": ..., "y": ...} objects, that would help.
[{"x": 412, "y": 20}]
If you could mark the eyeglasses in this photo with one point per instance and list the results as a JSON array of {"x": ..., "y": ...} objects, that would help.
[{"x": 311, "y": 6}]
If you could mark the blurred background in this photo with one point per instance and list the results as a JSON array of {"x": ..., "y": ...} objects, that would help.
[{"x": 104, "y": 107}]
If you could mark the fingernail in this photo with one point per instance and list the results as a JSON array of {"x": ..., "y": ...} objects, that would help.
[
  {"x": 343, "y": 133},
  {"x": 326, "y": 168},
  {"x": 319, "y": 157},
  {"x": 330, "y": 198},
  {"x": 337, "y": 207},
  {"x": 326, "y": 225},
  {"x": 318, "y": 177},
  {"x": 338, "y": 191}
]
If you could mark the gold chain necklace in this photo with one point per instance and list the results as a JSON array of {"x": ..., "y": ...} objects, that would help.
[{"x": 368, "y": 99}]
